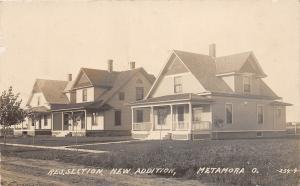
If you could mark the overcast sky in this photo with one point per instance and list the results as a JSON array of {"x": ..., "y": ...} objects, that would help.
[{"x": 50, "y": 39}]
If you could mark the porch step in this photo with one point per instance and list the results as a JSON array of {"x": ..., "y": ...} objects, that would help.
[
  {"x": 159, "y": 135},
  {"x": 81, "y": 133},
  {"x": 60, "y": 133}
]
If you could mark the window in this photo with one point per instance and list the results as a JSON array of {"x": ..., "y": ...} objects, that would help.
[
  {"x": 247, "y": 84},
  {"x": 45, "y": 120},
  {"x": 121, "y": 96},
  {"x": 259, "y": 134},
  {"x": 118, "y": 116},
  {"x": 139, "y": 116},
  {"x": 180, "y": 113},
  {"x": 260, "y": 114},
  {"x": 32, "y": 122},
  {"x": 228, "y": 113},
  {"x": 139, "y": 93},
  {"x": 38, "y": 101},
  {"x": 161, "y": 116},
  {"x": 177, "y": 84},
  {"x": 94, "y": 119},
  {"x": 84, "y": 94}
]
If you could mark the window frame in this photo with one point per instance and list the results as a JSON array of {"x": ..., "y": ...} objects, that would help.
[
  {"x": 137, "y": 97},
  {"x": 84, "y": 95},
  {"x": 231, "y": 113},
  {"x": 261, "y": 134},
  {"x": 176, "y": 84},
  {"x": 263, "y": 114},
  {"x": 119, "y": 121},
  {"x": 121, "y": 96},
  {"x": 249, "y": 80},
  {"x": 38, "y": 101}
]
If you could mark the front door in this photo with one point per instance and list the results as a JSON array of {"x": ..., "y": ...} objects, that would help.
[
  {"x": 161, "y": 118},
  {"x": 197, "y": 112}
]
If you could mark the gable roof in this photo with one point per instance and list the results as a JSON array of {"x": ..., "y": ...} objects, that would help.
[
  {"x": 52, "y": 91},
  {"x": 235, "y": 62},
  {"x": 121, "y": 80},
  {"x": 204, "y": 69},
  {"x": 103, "y": 78}
]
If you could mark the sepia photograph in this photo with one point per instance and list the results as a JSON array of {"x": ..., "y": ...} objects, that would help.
[{"x": 144, "y": 93}]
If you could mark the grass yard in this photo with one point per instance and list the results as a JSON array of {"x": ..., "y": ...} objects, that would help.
[
  {"x": 267, "y": 155},
  {"x": 61, "y": 141}
]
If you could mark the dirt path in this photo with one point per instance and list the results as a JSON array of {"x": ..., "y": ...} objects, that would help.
[
  {"x": 34, "y": 172},
  {"x": 58, "y": 148}
]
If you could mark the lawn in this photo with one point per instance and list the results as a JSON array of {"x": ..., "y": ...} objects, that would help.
[
  {"x": 61, "y": 141},
  {"x": 267, "y": 155}
]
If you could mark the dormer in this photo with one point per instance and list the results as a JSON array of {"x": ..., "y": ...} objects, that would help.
[{"x": 241, "y": 72}]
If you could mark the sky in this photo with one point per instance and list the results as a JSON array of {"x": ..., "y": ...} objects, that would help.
[{"x": 49, "y": 39}]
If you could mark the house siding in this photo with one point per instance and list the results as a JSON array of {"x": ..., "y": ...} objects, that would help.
[
  {"x": 34, "y": 100},
  {"x": 166, "y": 85},
  {"x": 90, "y": 95},
  {"x": 245, "y": 115},
  {"x": 99, "y": 119},
  {"x": 130, "y": 96}
]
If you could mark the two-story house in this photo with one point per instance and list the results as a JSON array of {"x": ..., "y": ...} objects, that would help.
[
  {"x": 203, "y": 96},
  {"x": 94, "y": 103}
]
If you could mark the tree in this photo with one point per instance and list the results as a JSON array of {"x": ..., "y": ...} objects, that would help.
[{"x": 10, "y": 111}]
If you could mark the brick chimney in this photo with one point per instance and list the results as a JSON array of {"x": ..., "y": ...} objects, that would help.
[
  {"x": 110, "y": 63},
  {"x": 132, "y": 65},
  {"x": 212, "y": 50},
  {"x": 69, "y": 77}
]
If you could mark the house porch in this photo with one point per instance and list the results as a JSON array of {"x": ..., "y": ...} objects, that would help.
[{"x": 174, "y": 120}]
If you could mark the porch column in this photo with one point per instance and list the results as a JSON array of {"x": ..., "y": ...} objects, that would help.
[
  {"x": 85, "y": 125},
  {"x": 152, "y": 118},
  {"x": 62, "y": 123},
  {"x": 51, "y": 121},
  {"x": 191, "y": 117},
  {"x": 132, "y": 119},
  {"x": 171, "y": 117},
  {"x": 72, "y": 122}
]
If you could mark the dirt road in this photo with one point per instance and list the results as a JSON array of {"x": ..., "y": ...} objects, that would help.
[{"x": 17, "y": 171}]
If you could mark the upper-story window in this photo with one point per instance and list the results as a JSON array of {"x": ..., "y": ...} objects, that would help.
[
  {"x": 38, "y": 101},
  {"x": 121, "y": 96},
  {"x": 177, "y": 84},
  {"x": 84, "y": 94},
  {"x": 247, "y": 84},
  {"x": 139, "y": 91}
]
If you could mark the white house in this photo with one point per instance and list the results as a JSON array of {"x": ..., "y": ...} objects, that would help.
[{"x": 200, "y": 96}]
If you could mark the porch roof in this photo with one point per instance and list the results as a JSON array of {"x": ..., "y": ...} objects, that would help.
[
  {"x": 40, "y": 109},
  {"x": 173, "y": 98},
  {"x": 279, "y": 103},
  {"x": 85, "y": 105}
]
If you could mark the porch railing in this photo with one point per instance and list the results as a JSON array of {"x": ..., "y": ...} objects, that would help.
[
  {"x": 181, "y": 125},
  {"x": 201, "y": 125},
  {"x": 142, "y": 126}
]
